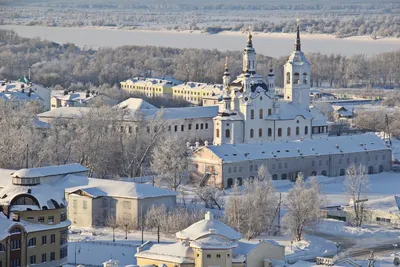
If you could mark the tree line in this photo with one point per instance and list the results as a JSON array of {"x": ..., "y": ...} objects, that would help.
[{"x": 65, "y": 65}]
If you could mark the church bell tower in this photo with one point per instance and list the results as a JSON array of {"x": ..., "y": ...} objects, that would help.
[{"x": 297, "y": 76}]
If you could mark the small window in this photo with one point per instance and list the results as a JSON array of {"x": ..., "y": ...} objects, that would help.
[
  {"x": 251, "y": 133},
  {"x": 32, "y": 259},
  {"x": 206, "y": 125},
  {"x": 269, "y": 132},
  {"x": 227, "y": 133},
  {"x": 182, "y": 128},
  {"x": 32, "y": 242},
  {"x": 84, "y": 203},
  {"x": 261, "y": 114},
  {"x": 208, "y": 256},
  {"x": 229, "y": 170},
  {"x": 288, "y": 77},
  {"x": 280, "y": 132},
  {"x": 269, "y": 112},
  {"x": 44, "y": 240},
  {"x": 288, "y": 131},
  {"x": 197, "y": 126},
  {"x": 74, "y": 203},
  {"x": 306, "y": 130},
  {"x": 41, "y": 219},
  {"x": 228, "y": 255},
  {"x": 44, "y": 257},
  {"x": 260, "y": 132},
  {"x": 252, "y": 114},
  {"x": 217, "y": 133},
  {"x": 190, "y": 126},
  {"x": 218, "y": 256},
  {"x": 52, "y": 239},
  {"x": 201, "y": 126},
  {"x": 176, "y": 128},
  {"x": 297, "y": 130},
  {"x": 198, "y": 255},
  {"x": 50, "y": 219}
]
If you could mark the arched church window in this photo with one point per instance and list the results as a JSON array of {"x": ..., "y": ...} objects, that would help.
[
  {"x": 217, "y": 133},
  {"x": 227, "y": 133},
  {"x": 305, "y": 77},
  {"x": 261, "y": 114},
  {"x": 288, "y": 131},
  {"x": 280, "y": 132},
  {"x": 251, "y": 133},
  {"x": 296, "y": 78},
  {"x": 260, "y": 132},
  {"x": 252, "y": 114},
  {"x": 288, "y": 77},
  {"x": 306, "y": 130},
  {"x": 269, "y": 112},
  {"x": 269, "y": 132},
  {"x": 297, "y": 130}
]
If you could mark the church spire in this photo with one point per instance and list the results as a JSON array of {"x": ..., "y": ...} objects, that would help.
[
  {"x": 249, "y": 56},
  {"x": 297, "y": 45},
  {"x": 226, "y": 77}
]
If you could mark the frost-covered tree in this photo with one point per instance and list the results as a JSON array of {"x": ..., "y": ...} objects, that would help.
[
  {"x": 303, "y": 206},
  {"x": 170, "y": 159},
  {"x": 211, "y": 196},
  {"x": 251, "y": 209},
  {"x": 356, "y": 186},
  {"x": 263, "y": 173}
]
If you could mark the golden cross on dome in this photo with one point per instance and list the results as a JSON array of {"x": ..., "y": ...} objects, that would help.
[{"x": 249, "y": 36}]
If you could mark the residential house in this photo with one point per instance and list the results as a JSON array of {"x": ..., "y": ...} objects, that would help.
[
  {"x": 102, "y": 201},
  {"x": 210, "y": 242}
]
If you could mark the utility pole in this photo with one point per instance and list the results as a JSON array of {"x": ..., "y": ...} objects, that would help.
[
  {"x": 141, "y": 221},
  {"x": 158, "y": 234},
  {"x": 27, "y": 156}
]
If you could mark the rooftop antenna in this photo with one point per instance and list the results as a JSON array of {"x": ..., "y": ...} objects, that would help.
[{"x": 27, "y": 156}]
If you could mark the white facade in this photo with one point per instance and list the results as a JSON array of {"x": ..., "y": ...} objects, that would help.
[{"x": 249, "y": 112}]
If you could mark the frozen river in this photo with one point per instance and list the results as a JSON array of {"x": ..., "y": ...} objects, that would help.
[{"x": 274, "y": 45}]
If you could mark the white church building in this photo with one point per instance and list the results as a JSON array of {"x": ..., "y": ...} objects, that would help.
[
  {"x": 249, "y": 111},
  {"x": 253, "y": 127}
]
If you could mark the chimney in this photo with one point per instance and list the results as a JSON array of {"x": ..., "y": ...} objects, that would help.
[
  {"x": 209, "y": 216},
  {"x": 206, "y": 143}
]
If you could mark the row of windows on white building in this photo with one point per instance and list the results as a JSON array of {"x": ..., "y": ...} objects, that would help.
[{"x": 260, "y": 132}]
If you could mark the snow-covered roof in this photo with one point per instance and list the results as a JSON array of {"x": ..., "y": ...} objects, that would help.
[
  {"x": 318, "y": 118},
  {"x": 206, "y": 227},
  {"x": 179, "y": 252},
  {"x": 46, "y": 195},
  {"x": 168, "y": 113},
  {"x": 297, "y": 58},
  {"x": 65, "y": 112},
  {"x": 5, "y": 226},
  {"x": 199, "y": 86},
  {"x": 213, "y": 242},
  {"x": 19, "y": 96},
  {"x": 308, "y": 147},
  {"x": 50, "y": 171},
  {"x": 163, "y": 81},
  {"x": 388, "y": 204},
  {"x": 289, "y": 111},
  {"x": 184, "y": 113},
  {"x": 5, "y": 176},
  {"x": 103, "y": 187},
  {"x": 135, "y": 103}
]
